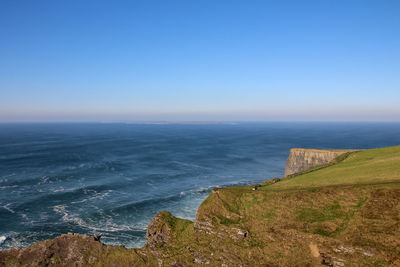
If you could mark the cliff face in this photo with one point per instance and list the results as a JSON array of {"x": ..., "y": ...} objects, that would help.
[{"x": 301, "y": 158}]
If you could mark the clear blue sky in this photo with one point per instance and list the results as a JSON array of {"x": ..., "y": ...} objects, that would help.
[{"x": 199, "y": 60}]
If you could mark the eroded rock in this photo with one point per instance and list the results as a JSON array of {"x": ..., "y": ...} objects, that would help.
[
  {"x": 159, "y": 230},
  {"x": 301, "y": 158}
]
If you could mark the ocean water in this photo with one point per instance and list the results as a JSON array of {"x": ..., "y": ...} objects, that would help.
[{"x": 113, "y": 178}]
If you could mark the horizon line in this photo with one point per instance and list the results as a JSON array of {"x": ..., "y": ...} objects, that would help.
[{"x": 165, "y": 122}]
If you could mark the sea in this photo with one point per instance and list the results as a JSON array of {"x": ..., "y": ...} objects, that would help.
[{"x": 112, "y": 178}]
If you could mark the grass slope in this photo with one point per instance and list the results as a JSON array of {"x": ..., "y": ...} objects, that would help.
[
  {"x": 349, "y": 213},
  {"x": 365, "y": 167}
]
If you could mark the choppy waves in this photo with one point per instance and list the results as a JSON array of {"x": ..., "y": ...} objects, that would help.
[
  {"x": 113, "y": 178},
  {"x": 124, "y": 224}
]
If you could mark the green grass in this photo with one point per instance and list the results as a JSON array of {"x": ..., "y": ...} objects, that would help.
[
  {"x": 226, "y": 221},
  {"x": 323, "y": 214},
  {"x": 180, "y": 228},
  {"x": 364, "y": 167},
  {"x": 336, "y": 160}
]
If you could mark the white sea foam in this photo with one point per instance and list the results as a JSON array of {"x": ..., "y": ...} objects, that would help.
[
  {"x": 2, "y": 239},
  {"x": 8, "y": 187},
  {"x": 96, "y": 196},
  {"x": 62, "y": 210},
  {"x": 60, "y": 189},
  {"x": 107, "y": 225},
  {"x": 7, "y": 208}
]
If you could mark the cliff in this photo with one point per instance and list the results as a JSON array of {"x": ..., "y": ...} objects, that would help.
[
  {"x": 301, "y": 159},
  {"x": 347, "y": 214}
]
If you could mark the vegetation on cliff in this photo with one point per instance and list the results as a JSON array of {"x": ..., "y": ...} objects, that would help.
[
  {"x": 344, "y": 214},
  {"x": 301, "y": 159}
]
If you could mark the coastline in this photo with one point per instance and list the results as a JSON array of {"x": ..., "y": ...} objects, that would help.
[{"x": 315, "y": 224}]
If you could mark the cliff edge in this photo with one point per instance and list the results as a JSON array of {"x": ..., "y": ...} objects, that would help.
[{"x": 301, "y": 159}]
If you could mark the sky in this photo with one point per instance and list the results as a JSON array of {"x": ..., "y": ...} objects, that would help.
[{"x": 199, "y": 60}]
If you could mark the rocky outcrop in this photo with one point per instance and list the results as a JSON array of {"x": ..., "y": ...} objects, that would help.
[
  {"x": 159, "y": 230},
  {"x": 301, "y": 158},
  {"x": 74, "y": 250}
]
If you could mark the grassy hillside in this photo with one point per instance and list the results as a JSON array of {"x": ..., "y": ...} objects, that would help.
[
  {"x": 364, "y": 167},
  {"x": 347, "y": 214}
]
